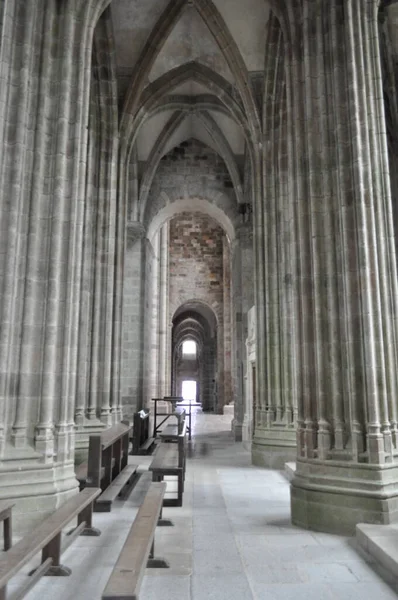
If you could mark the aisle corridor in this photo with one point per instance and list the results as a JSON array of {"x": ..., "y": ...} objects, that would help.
[{"x": 232, "y": 539}]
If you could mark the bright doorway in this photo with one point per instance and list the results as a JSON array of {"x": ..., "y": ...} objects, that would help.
[{"x": 189, "y": 390}]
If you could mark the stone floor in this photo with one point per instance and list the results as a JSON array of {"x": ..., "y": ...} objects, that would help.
[{"x": 232, "y": 539}]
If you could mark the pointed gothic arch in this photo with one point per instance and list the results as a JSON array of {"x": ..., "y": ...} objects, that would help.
[
  {"x": 164, "y": 84},
  {"x": 202, "y": 205},
  {"x": 224, "y": 150},
  {"x": 150, "y": 51}
]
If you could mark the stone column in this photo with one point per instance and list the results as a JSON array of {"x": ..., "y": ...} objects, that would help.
[
  {"x": 164, "y": 365},
  {"x": 45, "y": 58},
  {"x": 242, "y": 301},
  {"x": 133, "y": 320},
  {"x": 274, "y": 440},
  {"x": 250, "y": 383},
  {"x": 237, "y": 374},
  {"x": 84, "y": 410},
  {"x": 227, "y": 320},
  {"x": 151, "y": 316},
  {"x": 97, "y": 268},
  {"x": 346, "y": 275}
]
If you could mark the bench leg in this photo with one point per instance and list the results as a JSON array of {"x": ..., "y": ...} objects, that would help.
[
  {"x": 53, "y": 551},
  {"x": 87, "y": 516},
  {"x": 7, "y": 525},
  {"x": 180, "y": 487},
  {"x": 162, "y": 522},
  {"x": 152, "y": 551},
  {"x": 156, "y": 563}
]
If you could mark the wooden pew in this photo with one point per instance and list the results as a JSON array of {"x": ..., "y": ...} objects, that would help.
[
  {"x": 175, "y": 411},
  {"x": 107, "y": 466},
  {"x": 126, "y": 578},
  {"x": 170, "y": 459},
  {"x": 172, "y": 431},
  {"x": 6, "y": 507},
  {"x": 46, "y": 538},
  {"x": 141, "y": 441}
]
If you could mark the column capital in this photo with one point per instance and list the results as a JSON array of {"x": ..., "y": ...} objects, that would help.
[{"x": 135, "y": 231}]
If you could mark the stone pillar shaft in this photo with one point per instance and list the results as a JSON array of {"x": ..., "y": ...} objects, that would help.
[
  {"x": 164, "y": 367},
  {"x": 274, "y": 439},
  {"x": 227, "y": 320},
  {"x": 346, "y": 275},
  {"x": 45, "y": 55}
]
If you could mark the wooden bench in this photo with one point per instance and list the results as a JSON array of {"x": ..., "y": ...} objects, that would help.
[
  {"x": 170, "y": 459},
  {"x": 170, "y": 432},
  {"x": 175, "y": 411},
  {"x": 107, "y": 466},
  {"x": 81, "y": 469},
  {"x": 6, "y": 516},
  {"x": 125, "y": 580},
  {"x": 47, "y": 539},
  {"x": 141, "y": 441}
]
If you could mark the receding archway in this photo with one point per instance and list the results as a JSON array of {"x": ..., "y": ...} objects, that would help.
[
  {"x": 200, "y": 205},
  {"x": 195, "y": 324}
]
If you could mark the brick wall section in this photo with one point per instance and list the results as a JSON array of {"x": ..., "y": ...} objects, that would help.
[
  {"x": 196, "y": 261},
  {"x": 192, "y": 170},
  {"x": 197, "y": 273}
]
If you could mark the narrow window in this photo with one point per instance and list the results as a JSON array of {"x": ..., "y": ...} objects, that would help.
[{"x": 189, "y": 348}]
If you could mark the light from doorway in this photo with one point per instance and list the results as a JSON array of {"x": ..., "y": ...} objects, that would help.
[
  {"x": 189, "y": 390},
  {"x": 189, "y": 348}
]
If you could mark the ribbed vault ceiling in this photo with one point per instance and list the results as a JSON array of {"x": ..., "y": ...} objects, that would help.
[{"x": 185, "y": 69}]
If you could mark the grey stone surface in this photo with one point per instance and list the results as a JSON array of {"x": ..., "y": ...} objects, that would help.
[
  {"x": 292, "y": 108},
  {"x": 218, "y": 560}
]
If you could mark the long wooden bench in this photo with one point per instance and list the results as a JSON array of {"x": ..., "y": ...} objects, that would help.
[
  {"x": 107, "y": 466},
  {"x": 125, "y": 580},
  {"x": 47, "y": 538},
  {"x": 170, "y": 459}
]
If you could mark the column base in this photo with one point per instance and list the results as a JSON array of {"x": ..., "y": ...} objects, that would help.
[
  {"x": 247, "y": 432},
  {"x": 237, "y": 430},
  {"x": 272, "y": 448},
  {"x": 83, "y": 432},
  {"x": 37, "y": 489},
  {"x": 334, "y": 497}
]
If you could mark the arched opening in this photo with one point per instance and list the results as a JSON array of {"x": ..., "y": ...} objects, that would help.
[{"x": 195, "y": 353}]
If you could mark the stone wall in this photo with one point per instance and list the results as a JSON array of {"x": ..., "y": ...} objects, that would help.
[{"x": 191, "y": 170}]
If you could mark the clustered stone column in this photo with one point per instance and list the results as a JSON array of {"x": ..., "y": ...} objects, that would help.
[
  {"x": 276, "y": 412},
  {"x": 157, "y": 319},
  {"x": 133, "y": 343},
  {"x": 96, "y": 404},
  {"x": 50, "y": 199},
  {"x": 346, "y": 273},
  {"x": 229, "y": 362},
  {"x": 165, "y": 358},
  {"x": 242, "y": 301}
]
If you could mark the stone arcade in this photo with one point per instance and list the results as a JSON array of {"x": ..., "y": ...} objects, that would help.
[{"x": 167, "y": 166}]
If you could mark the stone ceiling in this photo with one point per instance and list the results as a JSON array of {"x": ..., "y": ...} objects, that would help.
[{"x": 158, "y": 41}]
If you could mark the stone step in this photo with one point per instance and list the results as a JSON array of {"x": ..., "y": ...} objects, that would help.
[
  {"x": 380, "y": 542},
  {"x": 229, "y": 409}
]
